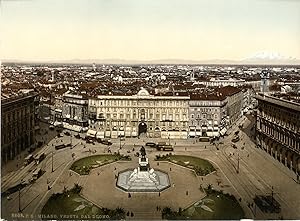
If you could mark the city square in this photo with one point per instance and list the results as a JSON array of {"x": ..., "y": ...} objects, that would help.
[
  {"x": 99, "y": 187},
  {"x": 150, "y": 110}
]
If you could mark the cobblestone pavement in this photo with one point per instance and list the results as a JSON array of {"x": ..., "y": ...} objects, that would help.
[{"x": 258, "y": 172}]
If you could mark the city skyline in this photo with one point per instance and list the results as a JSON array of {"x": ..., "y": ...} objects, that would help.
[{"x": 150, "y": 30}]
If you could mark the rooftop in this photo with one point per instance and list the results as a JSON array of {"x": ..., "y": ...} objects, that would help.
[{"x": 281, "y": 101}]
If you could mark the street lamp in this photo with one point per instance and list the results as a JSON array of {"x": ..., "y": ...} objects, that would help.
[
  {"x": 120, "y": 140},
  {"x": 52, "y": 161},
  {"x": 20, "y": 210},
  {"x": 238, "y": 164}
]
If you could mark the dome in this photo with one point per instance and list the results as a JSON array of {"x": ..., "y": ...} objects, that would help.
[{"x": 143, "y": 92}]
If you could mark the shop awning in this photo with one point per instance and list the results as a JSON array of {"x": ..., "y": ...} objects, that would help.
[
  {"x": 215, "y": 134},
  {"x": 91, "y": 133},
  {"x": 223, "y": 131},
  {"x": 100, "y": 134},
  {"x": 57, "y": 123}
]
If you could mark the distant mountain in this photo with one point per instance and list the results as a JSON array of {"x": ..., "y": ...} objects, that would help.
[
  {"x": 124, "y": 61},
  {"x": 261, "y": 58},
  {"x": 270, "y": 58}
]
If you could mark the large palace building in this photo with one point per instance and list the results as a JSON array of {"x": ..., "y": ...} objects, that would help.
[
  {"x": 17, "y": 124},
  {"x": 278, "y": 130},
  {"x": 130, "y": 116}
]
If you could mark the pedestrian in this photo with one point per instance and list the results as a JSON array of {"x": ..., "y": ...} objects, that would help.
[
  {"x": 131, "y": 214},
  {"x": 127, "y": 213},
  {"x": 170, "y": 169},
  {"x": 115, "y": 168},
  {"x": 187, "y": 193},
  {"x": 156, "y": 208},
  {"x": 158, "y": 193},
  {"x": 202, "y": 178},
  {"x": 185, "y": 148},
  {"x": 129, "y": 195},
  {"x": 204, "y": 147},
  {"x": 157, "y": 163}
]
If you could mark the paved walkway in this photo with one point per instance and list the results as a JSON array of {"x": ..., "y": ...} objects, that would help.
[
  {"x": 101, "y": 189},
  {"x": 258, "y": 173}
]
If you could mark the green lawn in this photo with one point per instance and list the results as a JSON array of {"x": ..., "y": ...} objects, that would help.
[
  {"x": 83, "y": 166},
  {"x": 221, "y": 206},
  {"x": 66, "y": 204},
  {"x": 202, "y": 167},
  {"x": 70, "y": 205}
]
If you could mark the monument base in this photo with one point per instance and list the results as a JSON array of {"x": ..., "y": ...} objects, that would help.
[{"x": 143, "y": 181}]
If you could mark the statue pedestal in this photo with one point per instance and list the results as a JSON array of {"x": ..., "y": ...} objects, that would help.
[
  {"x": 143, "y": 164},
  {"x": 142, "y": 178}
]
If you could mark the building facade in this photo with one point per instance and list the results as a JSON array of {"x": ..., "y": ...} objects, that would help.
[
  {"x": 278, "y": 130},
  {"x": 75, "y": 112},
  {"x": 207, "y": 117},
  {"x": 235, "y": 98},
  {"x": 213, "y": 82},
  {"x": 130, "y": 116},
  {"x": 18, "y": 115}
]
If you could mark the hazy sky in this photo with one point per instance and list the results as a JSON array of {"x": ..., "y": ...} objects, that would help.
[{"x": 148, "y": 29}]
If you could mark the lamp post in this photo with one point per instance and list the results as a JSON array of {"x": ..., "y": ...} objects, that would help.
[
  {"x": 238, "y": 164},
  {"x": 20, "y": 200},
  {"x": 20, "y": 210},
  {"x": 120, "y": 140},
  {"x": 52, "y": 162}
]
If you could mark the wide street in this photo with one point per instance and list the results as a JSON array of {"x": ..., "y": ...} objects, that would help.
[{"x": 244, "y": 172}]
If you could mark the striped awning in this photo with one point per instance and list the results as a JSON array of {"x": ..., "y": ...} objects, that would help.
[{"x": 91, "y": 133}]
